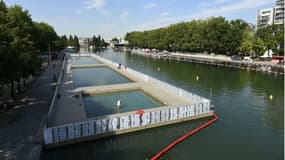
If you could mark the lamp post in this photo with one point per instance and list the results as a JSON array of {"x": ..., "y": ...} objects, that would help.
[{"x": 49, "y": 53}]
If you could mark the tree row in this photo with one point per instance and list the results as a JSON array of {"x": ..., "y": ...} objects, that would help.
[
  {"x": 213, "y": 35},
  {"x": 21, "y": 42}
]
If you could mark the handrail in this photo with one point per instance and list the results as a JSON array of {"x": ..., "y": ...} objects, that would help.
[{"x": 51, "y": 108}]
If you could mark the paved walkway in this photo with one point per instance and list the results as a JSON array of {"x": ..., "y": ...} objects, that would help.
[
  {"x": 21, "y": 134},
  {"x": 69, "y": 107}
]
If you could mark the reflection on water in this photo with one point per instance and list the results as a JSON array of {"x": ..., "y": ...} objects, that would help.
[{"x": 250, "y": 126}]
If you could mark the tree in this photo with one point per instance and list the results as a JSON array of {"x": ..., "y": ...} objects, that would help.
[
  {"x": 213, "y": 35},
  {"x": 267, "y": 35},
  {"x": 20, "y": 49},
  {"x": 5, "y": 39},
  {"x": 246, "y": 46},
  {"x": 43, "y": 36},
  {"x": 237, "y": 33},
  {"x": 115, "y": 40},
  {"x": 279, "y": 38},
  {"x": 76, "y": 41},
  {"x": 98, "y": 42},
  {"x": 258, "y": 46},
  {"x": 21, "y": 39}
]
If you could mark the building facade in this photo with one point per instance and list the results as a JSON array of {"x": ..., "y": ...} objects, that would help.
[
  {"x": 279, "y": 12},
  {"x": 265, "y": 17},
  {"x": 84, "y": 42},
  {"x": 271, "y": 16}
]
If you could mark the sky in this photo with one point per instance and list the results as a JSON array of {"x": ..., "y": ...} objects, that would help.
[{"x": 114, "y": 18}]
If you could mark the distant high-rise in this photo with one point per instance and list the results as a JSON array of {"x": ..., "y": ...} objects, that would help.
[
  {"x": 265, "y": 17},
  {"x": 279, "y": 12},
  {"x": 271, "y": 15}
]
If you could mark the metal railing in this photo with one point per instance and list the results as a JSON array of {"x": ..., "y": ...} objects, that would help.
[
  {"x": 54, "y": 98},
  {"x": 112, "y": 124}
]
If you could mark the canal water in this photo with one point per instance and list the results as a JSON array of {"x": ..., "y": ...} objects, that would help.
[
  {"x": 105, "y": 104},
  {"x": 250, "y": 125}
]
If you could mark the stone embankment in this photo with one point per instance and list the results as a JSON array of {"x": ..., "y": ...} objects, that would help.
[{"x": 217, "y": 60}]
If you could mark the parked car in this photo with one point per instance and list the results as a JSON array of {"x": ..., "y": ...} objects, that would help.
[
  {"x": 247, "y": 59},
  {"x": 236, "y": 57}
]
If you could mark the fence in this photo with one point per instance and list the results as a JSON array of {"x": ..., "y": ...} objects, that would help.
[
  {"x": 113, "y": 124},
  {"x": 54, "y": 98}
]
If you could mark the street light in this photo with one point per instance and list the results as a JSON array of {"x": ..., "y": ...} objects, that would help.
[{"x": 49, "y": 53}]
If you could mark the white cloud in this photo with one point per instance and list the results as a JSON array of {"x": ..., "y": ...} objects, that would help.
[
  {"x": 149, "y": 5},
  {"x": 164, "y": 21},
  {"x": 124, "y": 15},
  {"x": 98, "y": 5},
  {"x": 205, "y": 13},
  {"x": 244, "y": 4},
  {"x": 215, "y": 2},
  {"x": 94, "y": 4},
  {"x": 163, "y": 14}
]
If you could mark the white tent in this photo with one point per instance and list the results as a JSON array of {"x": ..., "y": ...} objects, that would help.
[{"x": 267, "y": 54}]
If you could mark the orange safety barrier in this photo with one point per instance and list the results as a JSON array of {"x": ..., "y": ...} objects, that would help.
[{"x": 170, "y": 146}]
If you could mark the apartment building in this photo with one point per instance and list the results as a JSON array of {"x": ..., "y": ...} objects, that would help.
[{"x": 271, "y": 16}]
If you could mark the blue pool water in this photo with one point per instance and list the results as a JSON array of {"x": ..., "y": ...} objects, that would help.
[
  {"x": 83, "y": 77},
  {"x": 105, "y": 104}
]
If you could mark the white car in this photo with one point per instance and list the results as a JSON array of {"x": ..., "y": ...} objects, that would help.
[{"x": 247, "y": 59}]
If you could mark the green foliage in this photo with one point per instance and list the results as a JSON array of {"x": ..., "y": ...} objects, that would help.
[
  {"x": 21, "y": 41},
  {"x": 98, "y": 42},
  {"x": 258, "y": 46},
  {"x": 273, "y": 37},
  {"x": 44, "y": 35},
  {"x": 115, "y": 40},
  {"x": 213, "y": 35},
  {"x": 246, "y": 46},
  {"x": 72, "y": 41}
]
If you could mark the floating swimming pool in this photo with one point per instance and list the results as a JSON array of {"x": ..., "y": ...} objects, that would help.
[
  {"x": 106, "y": 104},
  {"x": 83, "y": 60},
  {"x": 83, "y": 77}
]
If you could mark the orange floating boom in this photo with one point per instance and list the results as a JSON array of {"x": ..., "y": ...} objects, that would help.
[{"x": 170, "y": 146}]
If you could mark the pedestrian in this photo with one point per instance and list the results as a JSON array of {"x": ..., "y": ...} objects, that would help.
[{"x": 119, "y": 104}]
